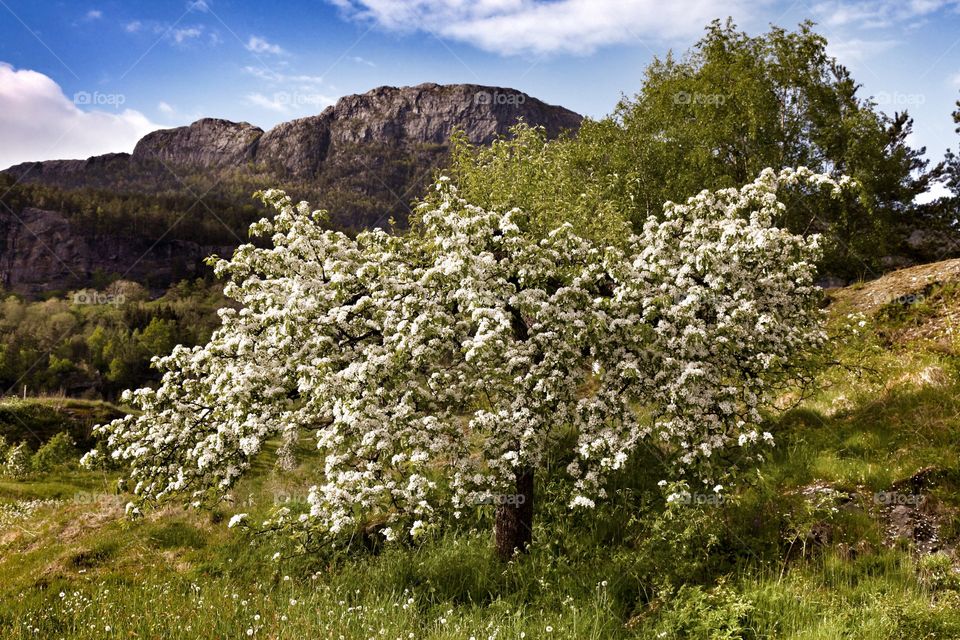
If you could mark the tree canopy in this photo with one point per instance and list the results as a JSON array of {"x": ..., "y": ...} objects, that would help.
[
  {"x": 715, "y": 118},
  {"x": 432, "y": 368}
]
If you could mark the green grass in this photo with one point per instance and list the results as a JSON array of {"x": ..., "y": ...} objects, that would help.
[
  {"x": 780, "y": 559},
  {"x": 36, "y": 420}
]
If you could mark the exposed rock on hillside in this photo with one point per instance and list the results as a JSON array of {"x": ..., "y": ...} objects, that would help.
[
  {"x": 42, "y": 251},
  {"x": 399, "y": 118},
  {"x": 208, "y": 143}
]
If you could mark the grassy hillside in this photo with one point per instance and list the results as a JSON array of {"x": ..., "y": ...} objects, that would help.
[
  {"x": 848, "y": 530},
  {"x": 36, "y": 420}
]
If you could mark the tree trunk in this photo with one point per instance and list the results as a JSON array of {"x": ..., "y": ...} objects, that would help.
[{"x": 513, "y": 527}]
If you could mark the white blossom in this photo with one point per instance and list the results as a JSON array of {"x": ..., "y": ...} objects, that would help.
[{"x": 429, "y": 367}]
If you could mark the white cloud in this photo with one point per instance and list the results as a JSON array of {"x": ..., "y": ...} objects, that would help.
[
  {"x": 955, "y": 80},
  {"x": 878, "y": 13},
  {"x": 93, "y": 14},
  {"x": 186, "y": 34},
  {"x": 164, "y": 107},
  {"x": 256, "y": 44},
  {"x": 855, "y": 50},
  {"x": 360, "y": 60},
  {"x": 282, "y": 78},
  {"x": 287, "y": 102},
  {"x": 133, "y": 27},
  {"x": 541, "y": 26},
  {"x": 264, "y": 102},
  {"x": 198, "y": 5},
  {"x": 38, "y": 122},
  {"x": 935, "y": 192},
  {"x": 292, "y": 94}
]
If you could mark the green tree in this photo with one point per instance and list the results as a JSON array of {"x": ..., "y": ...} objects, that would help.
[
  {"x": 951, "y": 174},
  {"x": 158, "y": 337},
  {"x": 736, "y": 104},
  {"x": 549, "y": 181},
  {"x": 715, "y": 118}
]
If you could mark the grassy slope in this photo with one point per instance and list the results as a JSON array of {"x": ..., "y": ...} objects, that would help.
[{"x": 806, "y": 549}]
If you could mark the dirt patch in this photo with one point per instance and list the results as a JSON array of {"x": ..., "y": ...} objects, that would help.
[
  {"x": 911, "y": 515},
  {"x": 106, "y": 510},
  {"x": 869, "y": 297}
]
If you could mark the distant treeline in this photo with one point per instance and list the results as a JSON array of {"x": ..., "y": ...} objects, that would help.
[
  {"x": 176, "y": 215},
  {"x": 96, "y": 344}
]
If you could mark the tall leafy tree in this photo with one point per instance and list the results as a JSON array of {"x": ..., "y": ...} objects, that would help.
[
  {"x": 714, "y": 118},
  {"x": 736, "y": 104}
]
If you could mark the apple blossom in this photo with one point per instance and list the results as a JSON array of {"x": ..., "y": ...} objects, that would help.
[{"x": 431, "y": 367}]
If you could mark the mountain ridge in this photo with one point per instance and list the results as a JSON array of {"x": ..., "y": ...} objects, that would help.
[
  {"x": 364, "y": 159},
  {"x": 422, "y": 114}
]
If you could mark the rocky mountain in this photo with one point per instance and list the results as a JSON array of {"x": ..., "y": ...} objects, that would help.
[
  {"x": 364, "y": 159},
  {"x": 399, "y": 118}
]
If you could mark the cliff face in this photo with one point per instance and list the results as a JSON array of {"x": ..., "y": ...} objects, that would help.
[
  {"x": 42, "y": 251},
  {"x": 207, "y": 143},
  {"x": 423, "y": 115},
  {"x": 387, "y": 116},
  {"x": 365, "y": 159},
  {"x": 428, "y": 113}
]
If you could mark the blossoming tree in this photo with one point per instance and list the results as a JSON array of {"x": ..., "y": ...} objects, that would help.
[{"x": 431, "y": 367}]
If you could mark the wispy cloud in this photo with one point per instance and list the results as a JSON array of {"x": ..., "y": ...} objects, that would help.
[
  {"x": 541, "y": 26},
  {"x": 186, "y": 34},
  {"x": 133, "y": 26},
  {"x": 287, "y": 102},
  {"x": 256, "y": 44},
  {"x": 165, "y": 108},
  {"x": 879, "y": 14},
  {"x": 856, "y": 50},
  {"x": 276, "y": 77},
  {"x": 93, "y": 14},
  {"x": 360, "y": 60},
  {"x": 262, "y": 101}
]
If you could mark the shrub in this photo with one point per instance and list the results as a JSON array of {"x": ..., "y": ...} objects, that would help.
[
  {"x": 937, "y": 572},
  {"x": 17, "y": 461},
  {"x": 695, "y": 612},
  {"x": 58, "y": 451}
]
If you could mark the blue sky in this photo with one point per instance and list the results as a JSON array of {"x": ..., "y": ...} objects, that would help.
[{"x": 85, "y": 77}]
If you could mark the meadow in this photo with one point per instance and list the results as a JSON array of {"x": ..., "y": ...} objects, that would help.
[{"x": 847, "y": 530}]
